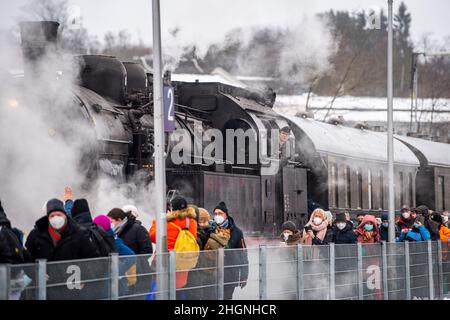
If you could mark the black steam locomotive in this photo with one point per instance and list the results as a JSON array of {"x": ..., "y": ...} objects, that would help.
[{"x": 329, "y": 165}]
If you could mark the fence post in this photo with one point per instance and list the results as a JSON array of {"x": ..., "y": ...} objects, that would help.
[
  {"x": 441, "y": 271},
  {"x": 42, "y": 279},
  {"x": 262, "y": 273},
  {"x": 172, "y": 275},
  {"x": 220, "y": 273},
  {"x": 332, "y": 274},
  {"x": 385, "y": 270},
  {"x": 300, "y": 288},
  {"x": 4, "y": 281},
  {"x": 408, "y": 271},
  {"x": 360, "y": 273},
  {"x": 114, "y": 284},
  {"x": 430, "y": 269}
]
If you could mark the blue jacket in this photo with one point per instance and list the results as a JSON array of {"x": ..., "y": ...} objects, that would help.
[
  {"x": 68, "y": 207},
  {"x": 414, "y": 234}
]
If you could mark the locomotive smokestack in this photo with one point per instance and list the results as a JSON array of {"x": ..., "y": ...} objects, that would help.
[{"x": 38, "y": 39}]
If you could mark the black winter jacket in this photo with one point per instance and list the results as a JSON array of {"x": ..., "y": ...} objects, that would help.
[
  {"x": 136, "y": 237},
  {"x": 11, "y": 250},
  {"x": 326, "y": 240},
  {"x": 344, "y": 236},
  {"x": 74, "y": 244}
]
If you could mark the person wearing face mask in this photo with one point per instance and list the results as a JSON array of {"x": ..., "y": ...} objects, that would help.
[
  {"x": 56, "y": 237},
  {"x": 367, "y": 231},
  {"x": 343, "y": 230},
  {"x": 290, "y": 235},
  {"x": 316, "y": 231},
  {"x": 406, "y": 220},
  {"x": 228, "y": 236},
  {"x": 384, "y": 228},
  {"x": 444, "y": 232},
  {"x": 428, "y": 223},
  {"x": 416, "y": 233}
]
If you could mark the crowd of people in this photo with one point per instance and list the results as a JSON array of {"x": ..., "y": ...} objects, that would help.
[
  {"x": 413, "y": 224},
  {"x": 68, "y": 231}
]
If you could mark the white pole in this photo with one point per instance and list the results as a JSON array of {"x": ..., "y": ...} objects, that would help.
[
  {"x": 390, "y": 150},
  {"x": 160, "y": 174}
]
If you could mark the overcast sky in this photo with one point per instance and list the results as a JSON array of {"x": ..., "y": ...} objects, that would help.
[{"x": 204, "y": 21}]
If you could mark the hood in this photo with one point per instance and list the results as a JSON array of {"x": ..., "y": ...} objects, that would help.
[
  {"x": 83, "y": 218},
  {"x": 4, "y": 221},
  {"x": 188, "y": 212},
  {"x": 368, "y": 218}
]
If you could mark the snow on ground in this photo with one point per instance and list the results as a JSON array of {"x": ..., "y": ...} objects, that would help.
[{"x": 374, "y": 108}]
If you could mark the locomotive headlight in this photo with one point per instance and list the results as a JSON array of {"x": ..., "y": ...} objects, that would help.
[{"x": 13, "y": 103}]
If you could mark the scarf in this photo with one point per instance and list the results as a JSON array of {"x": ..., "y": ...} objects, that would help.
[
  {"x": 320, "y": 231},
  {"x": 118, "y": 229},
  {"x": 225, "y": 224},
  {"x": 55, "y": 235}
]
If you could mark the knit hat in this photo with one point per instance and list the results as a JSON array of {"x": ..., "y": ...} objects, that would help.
[
  {"x": 130, "y": 208},
  {"x": 80, "y": 206},
  {"x": 340, "y": 217},
  {"x": 178, "y": 203},
  {"x": 203, "y": 215},
  {"x": 289, "y": 225},
  {"x": 437, "y": 217},
  {"x": 222, "y": 206},
  {"x": 103, "y": 222},
  {"x": 384, "y": 216},
  {"x": 54, "y": 205}
]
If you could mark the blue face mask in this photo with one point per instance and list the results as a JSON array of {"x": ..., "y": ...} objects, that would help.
[
  {"x": 416, "y": 226},
  {"x": 385, "y": 224},
  {"x": 368, "y": 227}
]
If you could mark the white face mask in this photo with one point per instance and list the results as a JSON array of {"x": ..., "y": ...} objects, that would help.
[
  {"x": 406, "y": 215},
  {"x": 341, "y": 225},
  {"x": 317, "y": 221},
  {"x": 57, "y": 222},
  {"x": 286, "y": 236},
  {"x": 219, "y": 219}
]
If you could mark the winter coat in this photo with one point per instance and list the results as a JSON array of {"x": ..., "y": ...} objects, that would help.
[
  {"x": 433, "y": 228},
  {"x": 362, "y": 234},
  {"x": 136, "y": 237},
  {"x": 11, "y": 250},
  {"x": 344, "y": 236},
  {"x": 444, "y": 233},
  {"x": 179, "y": 218},
  {"x": 316, "y": 241},
  {"x": 204, "y": 233},
  {"x": 75, "y": 243},
  {"x": 384, "y": 233},
  {"x": 414, "y": 234},
  {"x": 403, "y": 224}
]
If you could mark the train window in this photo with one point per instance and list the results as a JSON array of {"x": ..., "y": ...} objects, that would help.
[
  {"x": 410, "y": 189},
  {"x": 381, "y": 190},
  {"x": 402, "y": 190},
  {"x": 348, "y": 186},
  {"x": 334, "y": 185},
  {"x": 369, "y": 186},
  {"x": 441, "y": 196},
  {"x": 360, "y": 188}
]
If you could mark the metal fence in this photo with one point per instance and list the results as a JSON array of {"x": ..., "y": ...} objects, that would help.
[{"x": 387, "y": 271}]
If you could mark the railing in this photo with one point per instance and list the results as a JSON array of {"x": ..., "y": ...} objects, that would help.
[{"x": 387, "y": 271}]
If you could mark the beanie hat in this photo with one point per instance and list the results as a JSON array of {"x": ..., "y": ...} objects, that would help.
[
  {"x": 385, "y": 216},
  {"x": 80, "y": 206},
  {"x": 437, "y": 218},
  {"x": 54, "y": 205},
  {"x": 203, "y": 215},
  {"x": 340, "y": 217},
  {"x": 103, "y": 222},
  {"x": 222, "y": 206},
  {"x": 178, "y": 203},
  {"x": 423, "y": 210},
  {"x": 289, "y": 225},
  {"x": 130, "y": 208}
]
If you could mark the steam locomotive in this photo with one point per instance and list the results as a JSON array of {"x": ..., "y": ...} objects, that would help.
[{"x": 329, "y": 165}]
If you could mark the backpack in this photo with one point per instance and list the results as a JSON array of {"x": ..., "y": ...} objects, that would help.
[
  {"x": 13, "y": 248},
  {"x": 186, "y": 244},
  {"x": 104, "y": 243}
]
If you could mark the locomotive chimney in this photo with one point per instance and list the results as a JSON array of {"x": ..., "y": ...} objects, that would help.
[{"x": 38, "y": 38}]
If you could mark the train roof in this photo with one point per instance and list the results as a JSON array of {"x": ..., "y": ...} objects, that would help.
[
  {"x": 429, "y": 152},
  {"x": 338, "y": 140}
]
